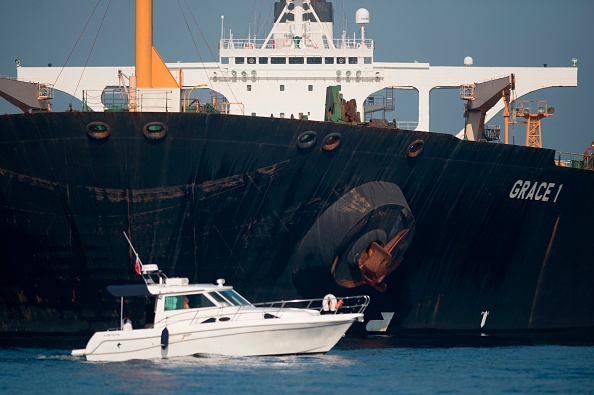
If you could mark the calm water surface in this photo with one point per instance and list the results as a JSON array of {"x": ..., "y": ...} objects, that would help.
[{"x": 406, "y": 364}]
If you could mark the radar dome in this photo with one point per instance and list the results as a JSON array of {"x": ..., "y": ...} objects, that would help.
[
  {"x": 468, "y": 61},
  {"x": 362, "y": 16}
]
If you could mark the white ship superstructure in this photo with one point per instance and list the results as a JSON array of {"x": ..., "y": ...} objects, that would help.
[{"x": 286, "y": 73}]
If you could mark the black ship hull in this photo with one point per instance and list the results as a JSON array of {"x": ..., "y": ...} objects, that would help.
[{"x": 260, "y": 202}]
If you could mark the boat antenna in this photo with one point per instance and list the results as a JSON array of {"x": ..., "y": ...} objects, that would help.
[{"x": 138, "y": 264}]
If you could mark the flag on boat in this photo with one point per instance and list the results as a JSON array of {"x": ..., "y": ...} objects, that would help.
[{"x": 137, "y": 265}]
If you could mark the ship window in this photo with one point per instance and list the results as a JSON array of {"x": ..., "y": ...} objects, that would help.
[
  {"x": 263, "y": 60},
  {"x": 296, "y": 60},
  {"x": 314, "y": 60},
  {"x": 310, "y": 88},
  {"x": 251, "y": 60},
  {"x": 181, "y": 302},
  {"x": 367, "y": 60},
  {"x": 278, "y": 60},
  {"x": 225, "y": 60},
  {"x": 282, "y": 88},
  {"x": 341, "y": 60},
  {"x": 249, "y": 88},
  {"x": 353, "y": 60},
  {"x": 240, "y": 60},
  {"x": 329, "y": 60}
]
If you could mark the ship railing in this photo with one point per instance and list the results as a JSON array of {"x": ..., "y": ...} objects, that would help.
[
  {"x": 331, "y": 77},
  {"x": 492, "y": 133},
  {"x": 333, "y": 305},
  {"x": 45, "y": 91},
  {"x": 108, "y": 100},
  {"x": 114, "y": 100},
  {"x": 378, "y": 100},
  {"x": 92, "y": 100},
  {"x": 524, "y": 108},
  {"x": 284, "y": 43},
  {"x": 253, "y": 311},
  {"x": 8, "y": 77},
  {"x": 573, "y": 160},
  {"x": 407, "y": 125}
]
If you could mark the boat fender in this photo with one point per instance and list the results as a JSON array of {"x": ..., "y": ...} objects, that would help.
[
  {"x": 98, "y": 130},
  {"x": 164, "y": 338},
  {"x": 329, "y": 303},
  {"x": 154, "y": 130}
]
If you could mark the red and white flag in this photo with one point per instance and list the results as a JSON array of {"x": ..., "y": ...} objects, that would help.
[{"x": 137, "y": 265}]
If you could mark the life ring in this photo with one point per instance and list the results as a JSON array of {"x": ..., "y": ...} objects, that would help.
[
  {"x": 329, "y": 303},
  {"x": 376, "y": 212}
]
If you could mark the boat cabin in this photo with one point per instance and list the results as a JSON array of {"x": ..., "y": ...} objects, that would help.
[{"x": 174, "y": 299}]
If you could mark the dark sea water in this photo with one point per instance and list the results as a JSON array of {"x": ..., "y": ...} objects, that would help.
[{"x": 404, "y": 364}]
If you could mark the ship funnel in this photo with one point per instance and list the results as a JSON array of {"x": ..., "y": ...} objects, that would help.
[{"x": 151, "y": 71}]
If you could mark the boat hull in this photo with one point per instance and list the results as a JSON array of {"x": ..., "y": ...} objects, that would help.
[
  {"x": 490, "y": 227},
  {"x": 235, "y": 338}
]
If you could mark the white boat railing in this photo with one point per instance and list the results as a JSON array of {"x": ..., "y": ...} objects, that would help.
[
  {"x": 346, "y": 305},
  {"x": 338, "y": 305}
]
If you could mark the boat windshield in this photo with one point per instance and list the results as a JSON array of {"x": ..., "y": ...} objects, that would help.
[
  {"x": 228, "y": 298},
  {"x": 234, "y": 297}
]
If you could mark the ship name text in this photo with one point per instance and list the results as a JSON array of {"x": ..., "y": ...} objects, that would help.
[{"x": 535, "y": 190}]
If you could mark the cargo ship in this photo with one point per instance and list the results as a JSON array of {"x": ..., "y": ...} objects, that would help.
[{"x": 279, "y": 185}]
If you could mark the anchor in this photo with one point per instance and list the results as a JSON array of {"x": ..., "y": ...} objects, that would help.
[{"x": 376, "y": 262}]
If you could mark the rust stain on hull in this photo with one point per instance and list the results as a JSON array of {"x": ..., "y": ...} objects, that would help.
[
  {"x": 146, "y": 195},
  {"x": 542, "y": 272}
]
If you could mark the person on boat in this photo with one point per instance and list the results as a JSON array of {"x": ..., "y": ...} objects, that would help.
[
  {"x": 127, "y": 322},
  {"x": 186, "y": 303}
]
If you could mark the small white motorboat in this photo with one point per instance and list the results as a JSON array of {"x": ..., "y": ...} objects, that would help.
[{"x": 214, "y": 319}]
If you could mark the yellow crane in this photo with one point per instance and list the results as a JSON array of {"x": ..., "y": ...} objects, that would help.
[{"x": 532, "y": 111}]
